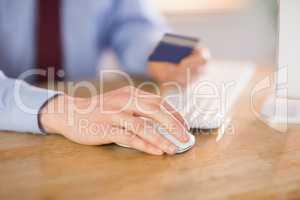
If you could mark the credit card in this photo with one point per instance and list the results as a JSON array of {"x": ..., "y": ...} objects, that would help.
[{"x": 173, "y": 48}]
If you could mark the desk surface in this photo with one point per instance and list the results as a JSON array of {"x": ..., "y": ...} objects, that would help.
[{"x": 251, "y": 162}]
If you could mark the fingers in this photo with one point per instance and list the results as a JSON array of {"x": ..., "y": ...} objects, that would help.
[
  {"x": 197, "y": 58},
  {"x": 191, "y": 61},
  {"x": 176, "y": 114},
  {"x": 156, "y": 68},
  {"x": 138, "y": 96},
  {"x": 126, "y": 138},
  {"x": 157, "y": 100},
  {"x": 146, "y": 131},
  {"x": 204, "y": 53},
  {"x": 165, "y": 119},
  {"x": 150, "y": 107},
  {"x": 163, "y": 113}
]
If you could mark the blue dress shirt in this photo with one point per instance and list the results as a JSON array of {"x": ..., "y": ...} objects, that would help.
[{"x": 129, "y": 27}]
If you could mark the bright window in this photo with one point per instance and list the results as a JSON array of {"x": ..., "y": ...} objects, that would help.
[{"x": 198, "y": 6}]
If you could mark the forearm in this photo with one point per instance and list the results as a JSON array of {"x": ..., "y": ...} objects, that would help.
[
  {"x": 134, "y": 56},
  {"x": 136, "y": 31}
]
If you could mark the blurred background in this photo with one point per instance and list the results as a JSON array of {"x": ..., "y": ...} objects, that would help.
[{"x": 232, "y": 29}]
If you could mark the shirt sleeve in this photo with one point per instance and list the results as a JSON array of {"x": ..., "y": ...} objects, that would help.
[
  {"x": 20, "y": 104},
  {"x": 135, "y": 31}
]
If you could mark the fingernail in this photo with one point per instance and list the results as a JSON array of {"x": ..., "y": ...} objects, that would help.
[
  {"x": 158, "y": 152},
  {"x": 172, "y": 149},
  {"x": 155, "y": 151},
  {"x": 185, "y": 137}
]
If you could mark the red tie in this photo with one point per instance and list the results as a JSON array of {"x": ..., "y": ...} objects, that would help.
[{"x": 49, "y": 49}]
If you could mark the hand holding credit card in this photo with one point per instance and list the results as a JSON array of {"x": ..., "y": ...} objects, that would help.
[
  {"x": 178, "y": 59},
  {"x": 173, "y": 48}
]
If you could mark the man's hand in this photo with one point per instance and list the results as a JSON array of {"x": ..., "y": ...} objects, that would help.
[
  {"x": 115, "y": 117},
  {"x": 191, "y": 66}
]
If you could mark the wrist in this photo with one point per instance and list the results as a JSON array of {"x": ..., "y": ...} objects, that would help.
[{"x": 52, "y": 114}]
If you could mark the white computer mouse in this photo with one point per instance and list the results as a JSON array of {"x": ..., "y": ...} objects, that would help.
[{"x": 181, "y": 147}]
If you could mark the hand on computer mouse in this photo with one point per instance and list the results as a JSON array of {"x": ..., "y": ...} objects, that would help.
[{"x": 114, "y": 117}]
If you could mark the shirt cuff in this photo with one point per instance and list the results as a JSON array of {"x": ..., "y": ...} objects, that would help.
[{"x": 26, "y": 104}]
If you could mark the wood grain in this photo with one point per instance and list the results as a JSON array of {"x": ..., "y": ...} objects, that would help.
[{"x": 252, "y": 161}]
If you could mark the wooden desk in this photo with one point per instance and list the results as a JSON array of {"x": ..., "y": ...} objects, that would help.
[{"x": 255, "y": 162}]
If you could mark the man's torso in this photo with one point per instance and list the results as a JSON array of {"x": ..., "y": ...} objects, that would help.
[{"x": 84, "y": 29}]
